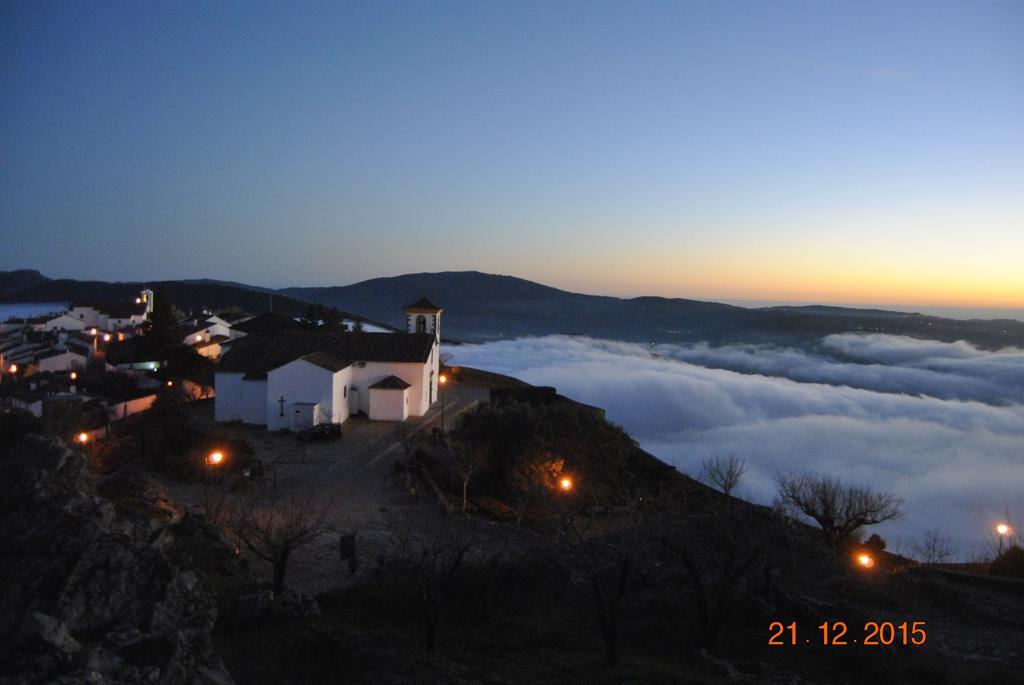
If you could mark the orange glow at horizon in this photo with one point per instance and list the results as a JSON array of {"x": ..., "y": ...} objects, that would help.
[
  {"x": 803, "y": 280},
  {"x": 895, "y": 256}
]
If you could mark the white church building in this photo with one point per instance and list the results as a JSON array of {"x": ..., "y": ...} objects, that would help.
[{"x": 298, "y": 379}]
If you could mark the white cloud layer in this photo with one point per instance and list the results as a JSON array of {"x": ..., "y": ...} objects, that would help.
[{"x": 952, "y": 446}]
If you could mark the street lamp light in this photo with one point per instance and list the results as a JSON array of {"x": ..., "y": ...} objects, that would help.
[
  {"x": 212, "y": 459},
  {"x": 442, "y": 381},
  {"x": 865, "y": 560},
  {"x": 565, "y": 484},
  {"x": 83, "y": 438},
  {"x": 1004, "y": 531}
]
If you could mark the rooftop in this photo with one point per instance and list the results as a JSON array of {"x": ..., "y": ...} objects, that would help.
[
  {"x": 390, "y": 383},
  {"x": 423, "y": 305},
  {"x": 255, "y": 355}
]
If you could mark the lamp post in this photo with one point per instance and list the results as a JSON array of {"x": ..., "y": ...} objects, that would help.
[
  {"x": 212, "y": 459},
  {"x": 442, "y": 380},
  {"x": 1003, "y": 531}
]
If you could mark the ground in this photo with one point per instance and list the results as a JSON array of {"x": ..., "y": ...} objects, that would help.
[
  {"x": 353, "y": 477},
  {"x": 543, "y": 628}
]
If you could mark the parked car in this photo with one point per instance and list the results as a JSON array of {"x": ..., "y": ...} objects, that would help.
[{"x": 323, "y": 431}]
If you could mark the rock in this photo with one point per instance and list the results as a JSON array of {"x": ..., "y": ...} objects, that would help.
[
  {"x": 714, "y": 664},
  {"x": 253, "y": 606},
  {"x": 90, "y": 593},
  {"x": 135, "y": 489},
  {"x": 54, "y": 632},
  {"x": 293, "y": 603}
]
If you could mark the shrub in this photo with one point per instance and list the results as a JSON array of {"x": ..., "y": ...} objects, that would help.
[{"x": 1010, "y": 564}]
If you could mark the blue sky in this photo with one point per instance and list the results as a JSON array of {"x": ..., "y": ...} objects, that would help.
[{"x": 859, "y": 152}]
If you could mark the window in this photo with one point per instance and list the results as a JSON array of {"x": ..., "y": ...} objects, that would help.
[
  {"x": 421, "y": 324},
  {"x": 344, "y": 391}
]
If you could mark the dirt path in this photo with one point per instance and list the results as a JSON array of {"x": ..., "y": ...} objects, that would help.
[{"x": 353, "y": 478}]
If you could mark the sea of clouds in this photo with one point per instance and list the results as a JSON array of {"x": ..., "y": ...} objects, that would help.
[{"x": 939, "y": 424}]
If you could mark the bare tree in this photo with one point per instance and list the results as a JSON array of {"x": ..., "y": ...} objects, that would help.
[
  {"x": 274, "y": 531},
  {"x": 410, "y": 437},
  {"x": 723, "y": 473},
  {"x": 467, "y": 461},
  {"x": 839, "y": 510},
  {"x": 429, "y": 556},
  {"x": 608, "y": 561},
  {"x": 934, "y": 547},
  {"x": 720, "y": 556}
]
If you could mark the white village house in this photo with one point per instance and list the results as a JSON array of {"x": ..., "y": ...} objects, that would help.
[
  {"x": 297, "y": 379},
  {"x": 107, "y": 316}
]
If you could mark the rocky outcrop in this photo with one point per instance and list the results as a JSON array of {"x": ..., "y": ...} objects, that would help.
[{"x": 90, "y": 592}]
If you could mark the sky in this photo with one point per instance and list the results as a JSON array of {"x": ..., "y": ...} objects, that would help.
[{"x": 866, "y": 152}]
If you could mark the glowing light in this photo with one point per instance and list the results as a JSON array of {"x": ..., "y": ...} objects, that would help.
[
  {"x": 565, "y": 484},
  {"x": 93, "y": 331},
  {"x": 14, "y": 368},
  {"x": 865, "y": 560},
  {"x": 442, "y": 379},
  {"x": 170, "y": 383},
  {"x": 83, "y": 438},
  {"x": 198, "y": 336},
  {"x": 138, "y": 300},
  {"x": 1003, "y": 529},
  {"x": 215, "y": 458},
  {"x": 74, "y": 375},
  {"x": 106, "y": 337}
]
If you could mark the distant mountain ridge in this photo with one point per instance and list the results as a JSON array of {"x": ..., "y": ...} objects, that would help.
[
  {"x": 13, "y": 281},
  {"x": 184, "y": 294},
  {"x": 480, "y": 307}
]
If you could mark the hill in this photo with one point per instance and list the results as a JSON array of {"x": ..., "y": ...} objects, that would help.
[
  {"x": 482, "y": 306},
  {"x": 186, "y": 295},
  {"x": 13, "y": 281}
]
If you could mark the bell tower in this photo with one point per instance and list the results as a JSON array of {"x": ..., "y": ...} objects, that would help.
[{"x": 423, "y": 316}]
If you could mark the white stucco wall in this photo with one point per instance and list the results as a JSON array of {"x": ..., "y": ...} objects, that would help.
[
  {"x": 414, "y": 374},
  {"x": 63, "y": 362},
  {"x": 254, "y": 402},
  {"x": 432, "y": 324},
  {"x": 123, "y": 410},
  {"x": 201, "y": 334},
  {"x": 88, "y": 316},
  {"x": 65, "y": 323},
  {"x": 340, "y": 390},
  {"x": 389, "y": 405},
  {"x": 227, "y": 405},
  {"x": 300, "y": 381}
]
